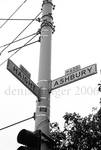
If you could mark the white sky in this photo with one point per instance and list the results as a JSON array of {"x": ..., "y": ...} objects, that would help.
[{"x": 77, "y": 41}]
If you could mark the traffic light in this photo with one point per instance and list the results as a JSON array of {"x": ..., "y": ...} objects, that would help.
[
  {"x": 30, "y": 140},
  {"x": 23, "y": 148}
]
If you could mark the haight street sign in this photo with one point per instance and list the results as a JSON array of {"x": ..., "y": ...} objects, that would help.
[
  {"x": 25, "y": 71},
  {"x": 21, "y": 76},
  {"x": 82, "y": 73}
]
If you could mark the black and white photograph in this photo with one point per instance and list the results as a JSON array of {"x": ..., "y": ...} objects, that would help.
[{"x": 50, "y": 75}]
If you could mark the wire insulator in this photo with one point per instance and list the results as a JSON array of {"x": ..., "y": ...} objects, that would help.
[
  {"x": 54, "y": 7},
  {"x": 38, "y": 19}
]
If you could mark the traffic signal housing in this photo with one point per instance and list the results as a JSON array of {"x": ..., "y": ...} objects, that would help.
[
  {"x": 23, "y": 148},
  {"x": 33, "y": 140},
  {"x": 30, "y": 140}
]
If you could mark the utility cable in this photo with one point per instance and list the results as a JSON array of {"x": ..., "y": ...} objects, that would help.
[
  {"x": 18, "y": 40},
  {"x": 15, "y": 19},
  {"x": 14, "y": 53},
  {"x": 16, "y": 123},
  {"x": 19, "y": 34},
  {"x": 23, "y": 46},
  {"x": 13, "y": 14},
  {"x": 26, "y": 44}
]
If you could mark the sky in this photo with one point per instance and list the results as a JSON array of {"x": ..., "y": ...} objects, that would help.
[{"x": 76, "y": 41}]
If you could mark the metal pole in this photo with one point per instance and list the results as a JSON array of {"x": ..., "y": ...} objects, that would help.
[{"x": 43, "y": 104}]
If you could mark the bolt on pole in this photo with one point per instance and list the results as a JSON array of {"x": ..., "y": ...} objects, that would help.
[{"x": 43, "y": 104}]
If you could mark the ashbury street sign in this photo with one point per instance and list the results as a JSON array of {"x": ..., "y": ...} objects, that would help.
[
  {"x": 21, "y": 76},
  {"x": 72, "y": 70},
  {"x": 82, "y": 73}
]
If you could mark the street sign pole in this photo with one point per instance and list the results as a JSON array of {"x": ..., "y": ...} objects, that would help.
[{"x": 43, "y": 104}]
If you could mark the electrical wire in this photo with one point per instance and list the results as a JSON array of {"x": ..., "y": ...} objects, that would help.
[
  {"x": 15, "y": 52},
  {"x": 23, "y": 46},
  {"x": 20, "y": 33},
  {"x": 18, "y": 40},
  {"x": 16, "y": 123},
  {"x": 13, "y": 14},
  {"x": 16, "y": 19}
]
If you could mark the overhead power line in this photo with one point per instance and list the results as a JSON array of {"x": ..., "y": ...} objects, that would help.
[
  {"x": 15, "y": 19},
  {"x": 26, "y": 44},
  {"x": 18, "y": 40},
  {"x": 23, "y": 46},
  {"x": 19, "y": 34},
  {"x": 17, "y": 50},
  {"x": 16, "y": 123},
  {"x": 13, "y": 14}
]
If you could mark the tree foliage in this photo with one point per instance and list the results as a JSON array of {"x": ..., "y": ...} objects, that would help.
[{"x": 80, "y": 133}]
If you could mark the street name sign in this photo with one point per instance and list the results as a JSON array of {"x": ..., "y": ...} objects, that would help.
[
  {"x": 82, "y": 73},
  {"x": 25, "y": 71},
  {"x": 21, "y": 76},
  {"x": 72, "y": 70}
]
